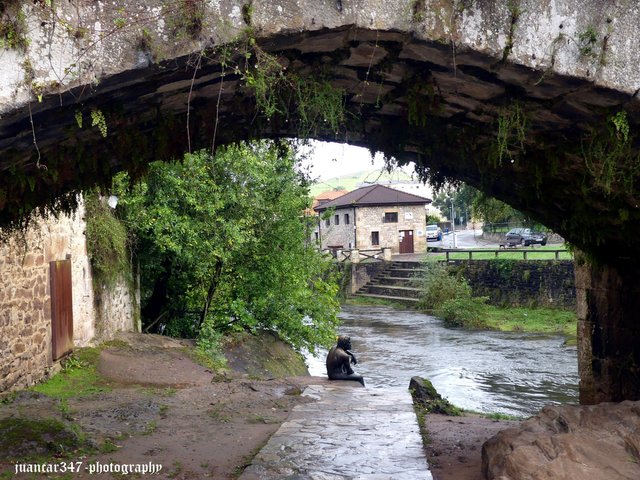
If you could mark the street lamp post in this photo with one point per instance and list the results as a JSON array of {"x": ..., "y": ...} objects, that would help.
[{"x": 453, "y": 224}]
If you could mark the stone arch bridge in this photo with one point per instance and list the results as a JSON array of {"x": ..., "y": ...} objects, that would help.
[{"x": 532, "y": 101}]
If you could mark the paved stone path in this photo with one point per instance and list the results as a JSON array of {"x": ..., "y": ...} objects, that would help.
[{"x": 348, "y": 433}]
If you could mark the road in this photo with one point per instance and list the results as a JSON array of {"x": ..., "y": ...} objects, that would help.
[{"x": 465, "y": 239}]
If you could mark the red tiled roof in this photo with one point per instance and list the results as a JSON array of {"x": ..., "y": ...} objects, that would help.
[
  {"x": 374, "y": 195},
  {"x": 331, "y": 194},
  {"x": 323, "y": 198}
]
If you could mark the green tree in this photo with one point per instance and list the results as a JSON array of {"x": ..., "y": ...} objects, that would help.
[
  {"x": 468, "y": 201},
  {"x": 462, "y": 199},
  {"x": 492, "y": 210},
  {"x": 221, "y": 244}
]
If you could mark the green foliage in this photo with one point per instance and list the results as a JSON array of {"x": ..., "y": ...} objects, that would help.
[
  {"x": 515, "y": 11},
  {"x": 427, "y": 400},
  {"x": 106, "y": 242},
  {"x": 209, "y": 349},
  {"x": 609, "y": 157},
  {"x": 265, "y": 78},
  {"x": 467, "y": 312},
  {"x": 13, "y": 26},
  {"x": 98, "y": 120},
  {"x": 222, "y": 247},
  {"x": 511, "y": 134},
  {"x": 78, "y": 117},
  {"x": 185, "y": 18},
  {"x": 491, "y": 210},
  {"x": 432, "y": 219},
  {"x": 79, "y": 379},
  {"x": 503, "y": 416},
  {"x": 318, "y": 102},
  {"x": 587, "y": 41},
  {"x": 439, "y": 286},
  {"x": 417, "y": 10},
  {"x": 462, "y": 196},
  {"x": 542, "y": 320},
  {"x": 422, "y": 101},
  {"x": 37, "y": 439},
  {"x": 449, "y": 297}
]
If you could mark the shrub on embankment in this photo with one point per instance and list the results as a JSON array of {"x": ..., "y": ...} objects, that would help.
[{"x": 447, "y": 294}]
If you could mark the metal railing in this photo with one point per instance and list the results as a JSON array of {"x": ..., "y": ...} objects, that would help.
[{"x": 448, "y": 252}]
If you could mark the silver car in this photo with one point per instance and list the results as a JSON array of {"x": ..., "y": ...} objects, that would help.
[{"x": 434, "y": 233}]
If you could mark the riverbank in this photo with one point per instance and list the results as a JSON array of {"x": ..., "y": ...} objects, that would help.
[
  {"x": 504, "y": 319},
  {"x": 454, "y": 444},
  {"x": 143, "y": 399}
]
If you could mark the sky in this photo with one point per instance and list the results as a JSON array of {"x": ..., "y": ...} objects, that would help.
[{"x": 330, "y": 160}]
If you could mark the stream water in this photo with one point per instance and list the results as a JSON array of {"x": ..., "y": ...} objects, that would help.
[{"x": 511, "y": 373}]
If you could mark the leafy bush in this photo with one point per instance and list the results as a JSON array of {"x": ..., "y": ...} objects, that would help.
[
  {"x": 449, "y": 297},
  {"x": 465, "y": 312},
  {"x": 438, "y": 286}
]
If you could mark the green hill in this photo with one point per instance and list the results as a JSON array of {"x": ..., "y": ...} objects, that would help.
[{"x": 352, "y": 180}]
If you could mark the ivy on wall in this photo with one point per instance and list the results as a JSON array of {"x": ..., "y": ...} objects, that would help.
[{"x": 107, "y": 244}]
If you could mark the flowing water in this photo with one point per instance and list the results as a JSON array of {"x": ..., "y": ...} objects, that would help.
[{"x": 511, "y": 373}]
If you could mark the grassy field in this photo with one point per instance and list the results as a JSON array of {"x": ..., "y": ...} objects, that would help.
[
  {"x": 537, "y": 320},
  {"x": 535, "y": 253},
  {"x": 351, "y": 181}
]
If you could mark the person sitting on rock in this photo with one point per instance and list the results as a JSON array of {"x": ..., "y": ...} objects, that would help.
[{"x": 339, "y": 361}]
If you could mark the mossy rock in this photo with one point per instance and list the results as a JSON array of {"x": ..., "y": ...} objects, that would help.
[
  {"x": 425, "y": 395},
  {"x": 263, "y": 355},
  {"x": 25, "y": 438}
]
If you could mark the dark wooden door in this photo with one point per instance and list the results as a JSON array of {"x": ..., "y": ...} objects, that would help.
[
  {"x": 61, "y": 308},
  {"x": 406, "y": 241}
]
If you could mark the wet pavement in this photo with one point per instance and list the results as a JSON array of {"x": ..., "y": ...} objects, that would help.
[{"x": 347, "y": 432}]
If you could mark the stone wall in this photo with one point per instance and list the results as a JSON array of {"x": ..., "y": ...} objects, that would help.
[
  {"x": 341, "y": 235},
  {"x": 117, "y": 310},
  {"x": 363, "y": 273},
  {"x": 521, "y": 283},
  {"x": 25, "y": 301},
  {"x": 410, "y": 217}
]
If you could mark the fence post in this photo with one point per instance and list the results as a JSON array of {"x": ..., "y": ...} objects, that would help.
[
  {"x": 386, "y": 254},
  {"x": 355, "y": 255},
  {"x": 447, "y": 253},
  {"x": 557, "y": 255},
  {"x": 524, "y": 255},
  {"x": 470, "y": 254}
]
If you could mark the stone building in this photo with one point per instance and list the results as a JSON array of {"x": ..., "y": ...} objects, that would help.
[
  {"x": 374, "y": 217},
  {"x": 51, "y": 256}
]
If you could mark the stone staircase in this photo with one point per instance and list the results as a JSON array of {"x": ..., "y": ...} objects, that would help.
[{"x": 396, "y": 283}]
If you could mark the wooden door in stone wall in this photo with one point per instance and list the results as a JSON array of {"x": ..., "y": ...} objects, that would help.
[
  {"x": 406, "y": 241},
  {"x": 61, "y": 308}
]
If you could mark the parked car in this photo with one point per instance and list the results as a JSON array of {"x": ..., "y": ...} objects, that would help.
[
  {"x": 434, "y": 233},
  {"x": 524, "y": 237}
]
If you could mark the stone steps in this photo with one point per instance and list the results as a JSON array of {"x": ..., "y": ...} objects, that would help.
[
  {"x": 392, "y": 291},
  {"x": 408, "y": 300},
  {"x": 395, "y": 283},
  {"x": 399, "y": 281}
]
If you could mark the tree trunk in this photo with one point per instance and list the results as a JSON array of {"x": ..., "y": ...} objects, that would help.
[{"x": 217, "y": 269}]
